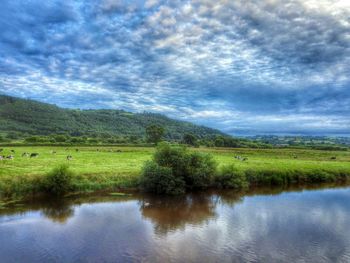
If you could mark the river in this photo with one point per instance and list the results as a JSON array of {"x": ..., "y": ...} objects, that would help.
[{"x": 265, "y": 225}]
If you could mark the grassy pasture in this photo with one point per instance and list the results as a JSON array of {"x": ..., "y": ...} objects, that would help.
[{"x": 113, "y": 167}]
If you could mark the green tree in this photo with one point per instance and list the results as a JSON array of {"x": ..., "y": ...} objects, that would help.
[
  {"x": 59, "y": 180},
  {"x": 32, "y": 139},
  {"x": 190, "y": 139},
  {"x": 154, "y": 133},
  {"x": 60, "y": 138},
  {"x": 219, "y": 141},
  {"x": 13, "y": 136},
  {"x": 175, "y": 169},
  {"x": 231, "y": 177}
]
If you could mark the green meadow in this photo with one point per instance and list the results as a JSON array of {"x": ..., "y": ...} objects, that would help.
[{"x": 110, "y": 168}]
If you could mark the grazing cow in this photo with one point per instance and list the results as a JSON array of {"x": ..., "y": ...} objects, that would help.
[
  {"x": 10, "y": 157},
  {"x": 25, "y": 154},
  {"x": 240, "y": 158},
  {"x": 333, "y": 158},
  {"x": 33, "y": 155},
  {"x": 69, "y": 157}
]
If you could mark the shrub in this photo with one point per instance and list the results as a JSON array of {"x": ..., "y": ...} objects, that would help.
[
  {"x": 160, "y": 180},
  {"x": 231, "y": 177},
  {"x": 201, "y": 171},
  {"x": 175, "y": 168},
  {"x": 59, "y": 180},
  {"x": 176, "y": 158}
]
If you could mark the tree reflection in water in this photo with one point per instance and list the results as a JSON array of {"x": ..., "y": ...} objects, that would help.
[
  {"x": 58, "y": 210},
  {"x": 173, "y": 213},
  {"x": 166, "y": 213}
]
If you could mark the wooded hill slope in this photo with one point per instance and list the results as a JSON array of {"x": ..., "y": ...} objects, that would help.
[{"x": 37, "y": 118}]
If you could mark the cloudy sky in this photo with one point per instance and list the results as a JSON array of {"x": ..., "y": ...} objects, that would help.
[{"x": 245, "y": 67}]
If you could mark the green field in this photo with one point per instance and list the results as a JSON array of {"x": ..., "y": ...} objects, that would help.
[{"x": 114, "y": 167}]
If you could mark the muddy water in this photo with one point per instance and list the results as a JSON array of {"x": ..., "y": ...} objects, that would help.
[{"x": 268, "y": 225}]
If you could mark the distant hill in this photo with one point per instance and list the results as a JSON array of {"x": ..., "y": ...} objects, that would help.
[{"x": 37, "y": 118}]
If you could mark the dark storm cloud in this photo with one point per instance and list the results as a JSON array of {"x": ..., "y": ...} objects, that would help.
[{"x": 241, "y": 66}]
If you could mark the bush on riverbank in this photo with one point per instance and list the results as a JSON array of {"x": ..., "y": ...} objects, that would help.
[
  {"x": 160, "y": 180},
  {"x": 175, "y": 169},
  {"x": 230, "y": 177},
  {"x": 59, "y": 180}
]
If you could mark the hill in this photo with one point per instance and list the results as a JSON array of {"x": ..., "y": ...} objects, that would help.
[{"x": 29, "y": 117}]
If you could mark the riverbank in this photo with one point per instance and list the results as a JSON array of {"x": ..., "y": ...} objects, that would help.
[{"x": 111, "y": 168}]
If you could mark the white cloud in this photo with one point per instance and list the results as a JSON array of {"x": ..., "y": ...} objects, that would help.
[{"x": 235, "y": 65}]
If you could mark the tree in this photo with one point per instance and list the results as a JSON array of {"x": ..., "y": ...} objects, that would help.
[
  {"x": 60, "y": 138},
  {"x": 175, "y": 169},
  {"x": 154, "y": 133},
  {"x": 12, "y": 136},
  {"x": 219, "y": 141},
  {"x": 190, "y": 139}
]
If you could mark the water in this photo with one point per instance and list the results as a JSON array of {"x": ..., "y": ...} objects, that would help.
[{"x": 262, "y": 226}]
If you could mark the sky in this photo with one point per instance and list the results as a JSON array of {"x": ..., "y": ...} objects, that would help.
[{"x": 244, "y": 67}]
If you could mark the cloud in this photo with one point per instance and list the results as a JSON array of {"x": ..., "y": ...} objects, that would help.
[{"x": 258, "y": 66}]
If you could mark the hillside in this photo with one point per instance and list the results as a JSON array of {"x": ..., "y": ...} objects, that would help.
[{"x": 36, "y": 118}]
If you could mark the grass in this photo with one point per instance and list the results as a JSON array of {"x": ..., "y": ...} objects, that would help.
[{"x": 97, "y": 168}]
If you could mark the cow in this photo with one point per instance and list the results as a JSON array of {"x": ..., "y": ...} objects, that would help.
[
  {"x": 240, "y": 158},
  {"x": 69, "y": 157},
  {"x": 2, "y": 157},
  {"x": 77, "y": 150},
  {"x": 10, "y": 157},
  {"x": 25, "y": 154},
  {"x": 33, "y": 155},
  {"x": 333, "y": 158},
  {"x": 13, "y": 151}
]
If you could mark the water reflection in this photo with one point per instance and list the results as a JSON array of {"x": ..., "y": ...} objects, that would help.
[
  {"x": 262, "y": 225},
  {"x": 58, "y": 210},
  {"x": 171, "y": 213},
  {"x": 166, "y": 212}
]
